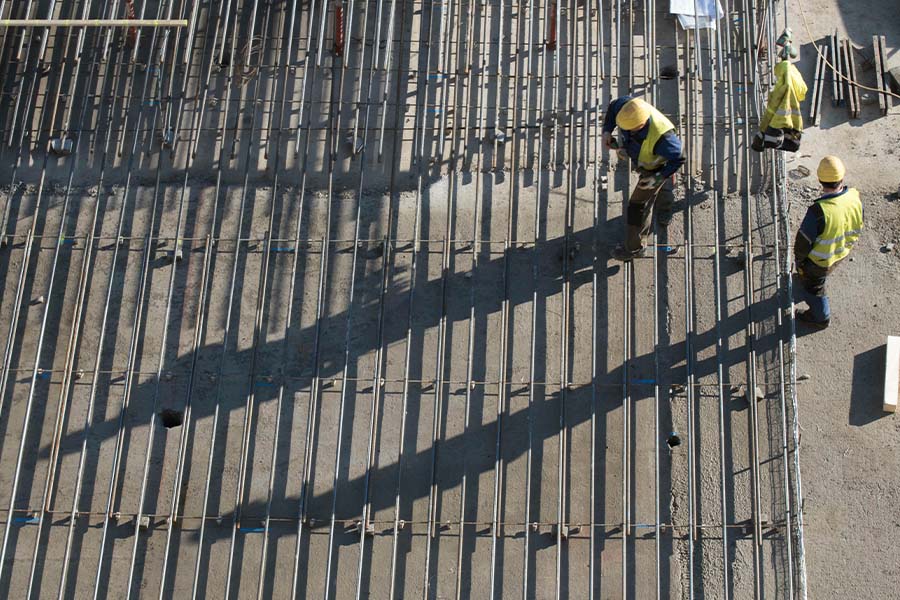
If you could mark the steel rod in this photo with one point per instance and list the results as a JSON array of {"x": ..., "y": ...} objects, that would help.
[
  {"x": 89, "y": 415},
  {"x": 285, "y": 347},
  {"x": 219, "y": 161},
  {"x": 151, "y": 23},
  {"x": 71, "y": 348},
  {"x": 461, "y": 107},
  {"x": 337, "y": 84},
  {"x": 200, "y": 326},
  {"x": 386, "y": 273},
  {"x": 259, "y": 323}
]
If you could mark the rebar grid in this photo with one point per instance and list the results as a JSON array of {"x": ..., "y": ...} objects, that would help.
[{"x": 451, "y": 421}]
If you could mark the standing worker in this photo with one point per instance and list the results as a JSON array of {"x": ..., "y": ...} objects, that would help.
[
  {"x": 781, "y": 126},
  {"x": 649, "y": 139},
  {"x": 830, "y": 228}
]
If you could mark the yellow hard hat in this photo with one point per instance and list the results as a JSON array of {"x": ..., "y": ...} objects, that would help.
[
  {"x": 831, "y": 170},
  {"x": 633, "y": 115}
]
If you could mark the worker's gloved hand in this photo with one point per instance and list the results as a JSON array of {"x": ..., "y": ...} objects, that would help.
[
  {"x": 759, "y": 142},
  {"x": 650, "y": 181},
  {"x": 608, "y": 139},
  {"x": 621, "y": 154}
]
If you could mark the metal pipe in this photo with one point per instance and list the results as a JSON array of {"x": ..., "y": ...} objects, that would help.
[{"x": 151, "y": 23}]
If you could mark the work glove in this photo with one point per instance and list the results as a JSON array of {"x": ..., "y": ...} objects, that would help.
[
  {"x": 759, "y": 142},
  {"x": 608, "y": 140}
]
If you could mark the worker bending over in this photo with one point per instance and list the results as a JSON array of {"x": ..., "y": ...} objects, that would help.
[
  {"x": 830, "y": 228},
  {"x": 649, "y": 139},
  {"x": 781, "y": 126}
]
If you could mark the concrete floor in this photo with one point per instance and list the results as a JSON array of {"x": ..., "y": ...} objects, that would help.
[{"x": 439, "y": 346}]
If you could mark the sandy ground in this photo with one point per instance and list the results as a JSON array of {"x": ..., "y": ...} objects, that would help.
[{"x": 849, "y": 446}]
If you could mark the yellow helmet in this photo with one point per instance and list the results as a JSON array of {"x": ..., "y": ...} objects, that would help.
[
  {"x": 831, "y": 170},
  {"x": 633, "y": 115}
]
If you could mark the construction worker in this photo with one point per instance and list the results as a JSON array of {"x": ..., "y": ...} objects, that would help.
[
  {"x": 828, "y": 232},
  {"x": 649, "y": 139},
  {"x": 781, "y": 126}
]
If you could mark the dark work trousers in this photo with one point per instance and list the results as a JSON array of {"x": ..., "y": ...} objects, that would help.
[
  {"x": 810, "y": 288},
  {"x": 640, "y": 212}
]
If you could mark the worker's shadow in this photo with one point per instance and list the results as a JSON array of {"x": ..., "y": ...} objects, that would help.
[{"x": 868, "y": 377}]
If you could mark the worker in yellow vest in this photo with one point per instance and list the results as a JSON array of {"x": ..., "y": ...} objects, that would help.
[
  {"x": 781, "y": 125},
  {"x": 827, "y": 234},
  {"x": 648, "y": 138}
]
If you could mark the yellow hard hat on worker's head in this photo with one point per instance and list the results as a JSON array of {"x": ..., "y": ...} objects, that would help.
[
  {"x": 831, "y": 170},
  {"x": 633, "y": 115}
]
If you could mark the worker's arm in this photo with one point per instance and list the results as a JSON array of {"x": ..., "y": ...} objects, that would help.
[
  {"x": 669, "y": 148},
  {"x": 609, "y": 120},
  {"x": 813, "y": 224}
]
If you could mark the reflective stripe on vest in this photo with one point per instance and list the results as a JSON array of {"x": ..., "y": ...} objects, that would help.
[
  {"x": 659, "y": 125},
  {"x": 843, "y": 224}
]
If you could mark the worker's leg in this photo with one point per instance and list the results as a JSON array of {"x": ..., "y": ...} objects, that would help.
[
  {"x": 638, "y": 218},
  {"x": 665, "y": 199},
  {"x": 811, "y": 289}
]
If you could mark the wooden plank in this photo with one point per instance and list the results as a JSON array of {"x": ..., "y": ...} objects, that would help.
[
  {"x": 879, "y": 72},
  {"x": 850, "y": 70},
  {"x": 837, "y": 90},
  {"x": 824, "y": 49},
  {"x": 891, "y": 374},
  {"x": 885, "y": 82},
  {"x": 815, "y": 103}
]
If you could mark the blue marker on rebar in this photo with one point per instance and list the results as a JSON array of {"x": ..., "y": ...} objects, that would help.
[{"x": 26, "y": 520}]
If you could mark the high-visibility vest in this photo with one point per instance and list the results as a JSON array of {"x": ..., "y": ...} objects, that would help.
[
  {"x": 843, "y": 224},
  {"x": 783, "y": 106},
  {"x": 659, "y": 125}
]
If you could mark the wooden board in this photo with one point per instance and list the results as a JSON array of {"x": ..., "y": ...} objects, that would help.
[{"x": 891, "y": 374}]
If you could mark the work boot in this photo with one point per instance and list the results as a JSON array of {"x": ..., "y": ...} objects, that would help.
[
  {"x": 620, "y": 252},
  {"x": 806, "y": 316}
]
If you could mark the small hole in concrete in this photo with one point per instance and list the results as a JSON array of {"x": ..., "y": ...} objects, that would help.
[
  {"x": 673, "y": 440},
  {"x": 171, "y": 418}
]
